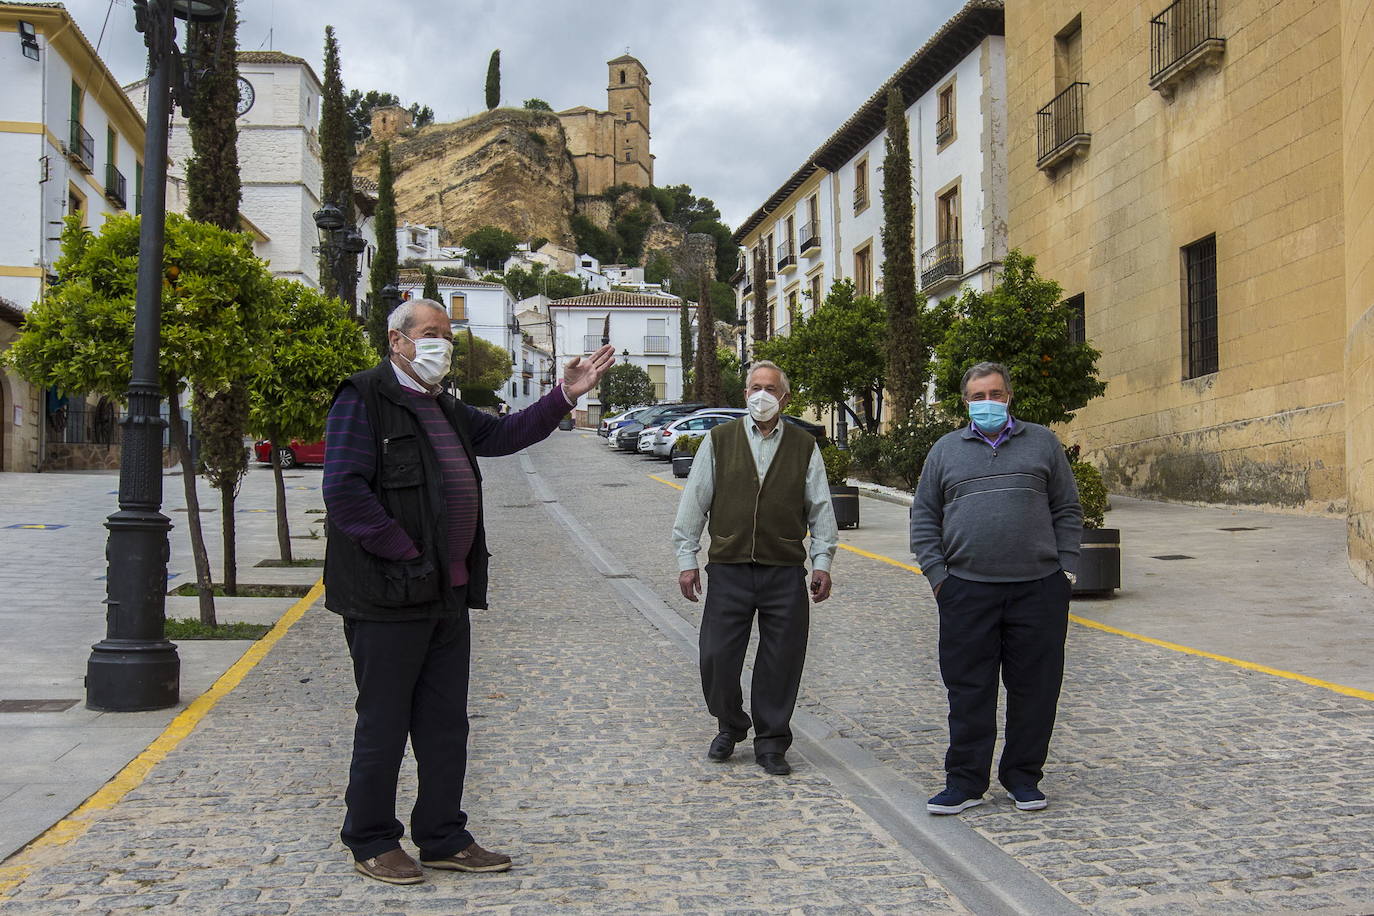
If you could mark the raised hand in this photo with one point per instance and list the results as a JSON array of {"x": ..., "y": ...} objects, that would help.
[{"x": 582, "y": 373}]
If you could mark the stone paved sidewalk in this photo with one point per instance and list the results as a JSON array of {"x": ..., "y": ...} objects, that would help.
[
  {"x": 588, "y": 766},
  {"x": 1178, "y": 783}
]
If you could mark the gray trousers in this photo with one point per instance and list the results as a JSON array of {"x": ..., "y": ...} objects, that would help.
[{"x": 734, "y": 592}]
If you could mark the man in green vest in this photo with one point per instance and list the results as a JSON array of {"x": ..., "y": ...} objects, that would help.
[{"x": 761, "y": 482}]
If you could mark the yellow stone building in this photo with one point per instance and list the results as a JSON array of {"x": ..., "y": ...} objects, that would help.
[
  {"x": 1198, "y": 177},
  {"x": 612, "y": 147}
]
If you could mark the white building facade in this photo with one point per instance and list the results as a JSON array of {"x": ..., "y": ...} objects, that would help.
[
  {"x": 824, "y": 223},
  {"x": 279, "y": 160},
  {"x": 70, "y": 143},
  {"x": 645, "y": 331}
]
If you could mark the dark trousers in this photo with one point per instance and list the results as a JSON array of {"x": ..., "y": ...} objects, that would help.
[
  {"x": 1019, "y": 628},
  {"x": 412, "y": 679},
  {"x": 778, "y": 593}
]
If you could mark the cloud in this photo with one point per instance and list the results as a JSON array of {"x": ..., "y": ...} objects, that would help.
[{"x": 742, "y": 90}]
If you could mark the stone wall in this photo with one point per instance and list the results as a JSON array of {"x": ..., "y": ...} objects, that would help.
[
  {"x": 1248, "y": 151},
  {"x": 1357, "y": 37},
  {"x": 88, "y": 456}
]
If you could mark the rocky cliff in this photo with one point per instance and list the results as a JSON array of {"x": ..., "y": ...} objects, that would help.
[{"x": 508, "y": 168}]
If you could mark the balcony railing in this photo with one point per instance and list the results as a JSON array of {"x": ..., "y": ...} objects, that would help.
[
  {"x": 810, "y": 236},
  {"x": 591, "y": 343},
  {"x": 1059, "y": 130},
  {"x": 787, "y": 257},
  {"x": 115, "y": 185},
  {"x": 527, "y": 370},
  {"x": 655, "y": 344},
  {"x": 944, "y": 128},
  {"x": 1183, "y": 38},
  {"x": 860, "y": 197},
  {"x": 546, "y": 377},
  {"x": 943, "y": 263},
  {"x": 81, "y": 147}
]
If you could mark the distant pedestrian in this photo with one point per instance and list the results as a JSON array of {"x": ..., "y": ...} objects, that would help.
[
  {"x": 406, "y": 559},
  {"x": 995, "y": 526},
  {"x": 761, "y": 482}
]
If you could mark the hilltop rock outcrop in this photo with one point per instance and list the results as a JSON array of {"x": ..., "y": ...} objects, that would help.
[{"x": 508, "y": 168}]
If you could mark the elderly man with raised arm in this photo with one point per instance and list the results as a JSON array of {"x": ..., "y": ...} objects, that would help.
[
  {"x": 407, "y": 557},
  {"x": 761, "y": 482},
  {"x": 995, "y": 526}
]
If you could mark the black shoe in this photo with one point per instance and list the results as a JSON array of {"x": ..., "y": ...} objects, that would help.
[
  {"x": 774, "y": 764},
  {"x": 722, "y": 747}
]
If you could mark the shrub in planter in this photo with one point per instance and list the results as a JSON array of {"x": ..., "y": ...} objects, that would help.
[
  {"x": 905, "y": 444},
  {"x": 844, "y": 499},
  {"x": 684, "y": 450},
  {"x": 1099, "y": 563},
  {"x": 1092, "y": 492},
  {"x": 866, "y": 451}
]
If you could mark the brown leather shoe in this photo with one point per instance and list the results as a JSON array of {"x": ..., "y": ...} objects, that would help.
[
  {"x": 474, "y": 858},
  {"x": 394, "y": 866}
]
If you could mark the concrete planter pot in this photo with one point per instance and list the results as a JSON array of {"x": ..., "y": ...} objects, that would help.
[
  {"x": 845, "y": 501},
  {"x": 566, "y": 423},
  {"x": 682, "y": 465},
  {"x": 1099, "y": 562}
]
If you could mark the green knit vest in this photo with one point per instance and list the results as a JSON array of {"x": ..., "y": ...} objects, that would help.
[{"x": 752, "y": 521}]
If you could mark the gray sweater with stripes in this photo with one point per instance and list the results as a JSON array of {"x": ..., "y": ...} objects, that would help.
[{"x": 1008, "y": 514}]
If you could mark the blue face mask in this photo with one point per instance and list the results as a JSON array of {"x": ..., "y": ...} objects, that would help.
[{"x": 989, "y": 416}]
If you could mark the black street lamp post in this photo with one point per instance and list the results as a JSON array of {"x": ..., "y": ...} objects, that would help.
[
  {"x": 135, "y": 667},
  {"x": 340, "y": 243}
]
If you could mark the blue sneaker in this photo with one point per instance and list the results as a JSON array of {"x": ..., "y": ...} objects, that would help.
[
  {"x": 952, "y": 801},
  {"x": 1027, "y": 798}
]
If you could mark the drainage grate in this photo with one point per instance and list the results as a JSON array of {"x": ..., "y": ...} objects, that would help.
[
  {"x": 37, "y": 705},
  {"x": 1174, "y": 556},
  {"x": 615, "y": 484},
  {"x": 1243, "y": 528}
]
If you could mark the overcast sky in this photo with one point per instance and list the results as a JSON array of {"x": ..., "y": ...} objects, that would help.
[{"x": 742, "y": 90}]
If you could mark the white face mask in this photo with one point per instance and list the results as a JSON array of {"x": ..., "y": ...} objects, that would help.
[
  {"x": 432, "y": 358},
  {"x": 762, "y": 406}
]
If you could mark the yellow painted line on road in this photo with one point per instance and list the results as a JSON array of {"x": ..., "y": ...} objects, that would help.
[
  {"x": 70, "y": 828},
  {"x": 1163, "y": 644},
  {"x": 882, "y": 559},
  {"x": 1239, "y": 663}
]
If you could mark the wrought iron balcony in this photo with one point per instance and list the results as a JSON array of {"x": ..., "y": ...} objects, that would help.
[
  {"x": 787, "y": 257},
  {"x": 942, "y": 264},
  {"x": 81, "y": 147},
  {"x": 1182, "y": 39},
  {"x": 591, "y": 343},
  {"x": 115, "y": 185},
  {"x": 527, "y": 370},
  {"x": 944, "y": 128},
  {"x": 655, "y": 344},
  {"x": 810, "y": 235},
  {"x": 1059, "y": 130}
]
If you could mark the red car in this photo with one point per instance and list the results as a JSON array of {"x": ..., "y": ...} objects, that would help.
[{"x": 298, "y": 453}]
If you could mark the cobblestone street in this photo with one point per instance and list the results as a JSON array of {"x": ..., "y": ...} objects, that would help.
[{"x": 1177, "y": 783}]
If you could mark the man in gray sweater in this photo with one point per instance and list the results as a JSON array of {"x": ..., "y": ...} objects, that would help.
[{"x": 995, "y": 526}]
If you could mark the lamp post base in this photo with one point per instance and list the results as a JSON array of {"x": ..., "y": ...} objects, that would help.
[{"x": 132, "y": 676}]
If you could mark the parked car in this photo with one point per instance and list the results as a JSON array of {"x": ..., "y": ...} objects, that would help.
[
  {"x": 612, "y": 423},
  {"x": 815, "y": 429},
  {"x": 292, "y": 455},
  {"x": 697, "y": 424},
  {"x": 652, "y": 417}
]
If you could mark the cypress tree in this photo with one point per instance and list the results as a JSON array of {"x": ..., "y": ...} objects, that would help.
[
  {"x": 760, "y": 294},
  {"x": 214, "y": 191},
  {"x": 336, "y": 155},
  {"x": 431, "y": 284},
  {"x": 684, "y": 327},
  {"x": 384, "y": 261},
  {"x": 494, "y": 80},
  {"x": 709, "y": 388},
  {"x": 908, "y": 354}
]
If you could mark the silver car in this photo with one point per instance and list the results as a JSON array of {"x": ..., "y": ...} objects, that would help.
[{"x": 698, "y": 424}]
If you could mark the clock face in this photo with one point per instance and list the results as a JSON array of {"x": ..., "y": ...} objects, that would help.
[{"x": 246, "y": 96}]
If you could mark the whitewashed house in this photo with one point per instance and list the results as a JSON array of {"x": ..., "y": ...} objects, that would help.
[
  {"x": 643, "y": 329},
  {"x": 279, "y": 159},
  {"x": 70, "y": 143},
  {"x": 824, "y": 223}
]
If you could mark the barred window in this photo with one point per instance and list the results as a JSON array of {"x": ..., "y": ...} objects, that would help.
[
  {"x": 1200, "y": 291},
  {"x": 1078, "y": 328}
]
